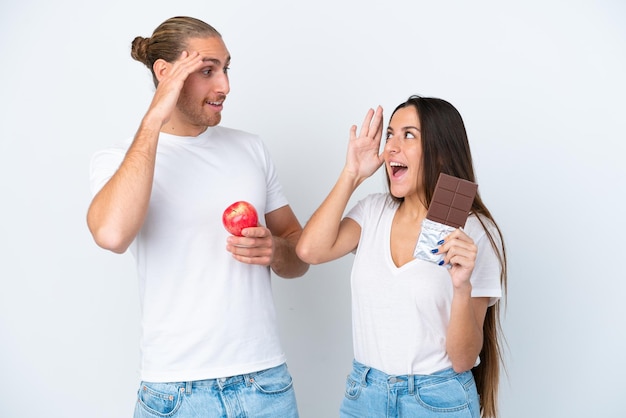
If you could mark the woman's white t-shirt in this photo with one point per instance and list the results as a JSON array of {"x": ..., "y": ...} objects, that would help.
[{"x": 400, "y": 315}]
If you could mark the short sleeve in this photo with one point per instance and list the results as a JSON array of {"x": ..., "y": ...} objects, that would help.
[
  {"x": 356, "y": 213},
  {"x": 103, "y": 165},
  {"x": 275, "y": 197},
  {"x": 486, "y": 275}
]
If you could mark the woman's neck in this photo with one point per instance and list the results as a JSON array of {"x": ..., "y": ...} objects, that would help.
[{"x": 413, "y": 208}]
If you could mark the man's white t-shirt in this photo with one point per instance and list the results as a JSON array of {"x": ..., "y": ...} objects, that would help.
[
  {"x": 203, "y": 314},
  {"x": 400, "y": 315}
]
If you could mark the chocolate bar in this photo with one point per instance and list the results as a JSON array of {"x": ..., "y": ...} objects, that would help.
[{"x": 452, "y": 200}]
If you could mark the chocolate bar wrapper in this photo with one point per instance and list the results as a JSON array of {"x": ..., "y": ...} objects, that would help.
[{"x": 432, "y": 232}]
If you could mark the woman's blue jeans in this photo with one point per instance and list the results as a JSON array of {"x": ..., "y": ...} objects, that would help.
[
  {"x": 373, "y": 394},
  {"x": 265, "y": 394}
]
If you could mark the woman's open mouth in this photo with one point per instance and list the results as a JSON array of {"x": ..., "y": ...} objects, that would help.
[{"x": 397, "y": 169}]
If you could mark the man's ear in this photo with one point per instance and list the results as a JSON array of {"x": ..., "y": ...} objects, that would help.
[{"x": 161, "y": 68}]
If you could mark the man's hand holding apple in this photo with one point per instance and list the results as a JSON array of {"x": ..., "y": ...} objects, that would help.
[
  {"x": 249, "y": 242},
  {"x": 256, "y": 246}
]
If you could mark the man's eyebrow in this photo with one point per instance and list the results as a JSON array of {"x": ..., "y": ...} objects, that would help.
[
  {"x": 212, "y": 60},
  {"x": 215, "y": 60}
]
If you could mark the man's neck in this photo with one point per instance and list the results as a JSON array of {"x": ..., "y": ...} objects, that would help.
[{"x": 178, "y": 130}]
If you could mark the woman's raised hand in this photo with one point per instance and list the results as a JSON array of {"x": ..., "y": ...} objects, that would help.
[{"x": 363, "y": 157}]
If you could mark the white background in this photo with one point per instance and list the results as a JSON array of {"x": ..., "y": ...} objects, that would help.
[{"x": 540, "y": 84}]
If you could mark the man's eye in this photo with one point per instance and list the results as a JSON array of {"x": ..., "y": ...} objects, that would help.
[{"x": 206, "y": 72}]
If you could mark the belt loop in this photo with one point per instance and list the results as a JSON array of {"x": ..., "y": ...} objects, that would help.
[
  {"x": 364, "y": 376},
  {"x": 411, "y": 380},
  {"x": 188, "y": 388}
]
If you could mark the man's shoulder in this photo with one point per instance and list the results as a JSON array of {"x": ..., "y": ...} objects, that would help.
[
  {"x": 115, "y": 150},
  {"x": 220, "y": 130}
]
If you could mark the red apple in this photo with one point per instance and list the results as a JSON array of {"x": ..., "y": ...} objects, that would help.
[{"x": 238, "y": 216}]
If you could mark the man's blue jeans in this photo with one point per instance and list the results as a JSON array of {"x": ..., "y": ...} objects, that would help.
[{"x": 264, "y": 394}]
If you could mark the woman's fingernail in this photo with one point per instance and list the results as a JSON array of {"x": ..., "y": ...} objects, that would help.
[
  {"x": 441, "y": 263},
  {"x": 440, "y": 242},
  {"x": 434, "y": 251}
]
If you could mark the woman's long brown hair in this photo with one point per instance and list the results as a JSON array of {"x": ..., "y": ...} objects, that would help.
[{"x": 445, "y": 149}]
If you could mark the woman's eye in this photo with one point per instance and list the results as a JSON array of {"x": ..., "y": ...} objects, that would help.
[
  {"x": 226, "y": 70},
  {"x": 388, "y": 136},
  {"x": 409, "y": 135}
]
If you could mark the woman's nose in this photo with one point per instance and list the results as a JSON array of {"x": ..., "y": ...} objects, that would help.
[{"x": 391, "y": 145}]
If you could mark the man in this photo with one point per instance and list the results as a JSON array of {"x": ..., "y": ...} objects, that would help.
[{"x": 209, "y": 340}]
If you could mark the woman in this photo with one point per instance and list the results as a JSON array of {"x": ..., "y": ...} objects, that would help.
[{"x": 425, "y": 335}]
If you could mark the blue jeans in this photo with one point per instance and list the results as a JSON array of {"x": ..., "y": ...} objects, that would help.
[
  {"x": 265, "y": 394},
  {"x": 373, "y": 394}
]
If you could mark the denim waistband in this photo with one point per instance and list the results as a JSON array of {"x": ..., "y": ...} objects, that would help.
[
  {"x": 368, "y": 374},
  {"x": 222, "y": 382}
]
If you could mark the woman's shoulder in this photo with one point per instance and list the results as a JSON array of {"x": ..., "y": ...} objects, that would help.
[
  {"x": 370, "y": 205},
  {"x": 478, "y": 225},
  {"x": 379, "y": 200}
]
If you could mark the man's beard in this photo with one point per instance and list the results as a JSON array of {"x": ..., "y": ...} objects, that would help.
[{"x": 195, "y": 114}]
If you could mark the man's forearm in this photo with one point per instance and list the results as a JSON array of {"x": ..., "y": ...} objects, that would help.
[{"x": 285, "y": 262}]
